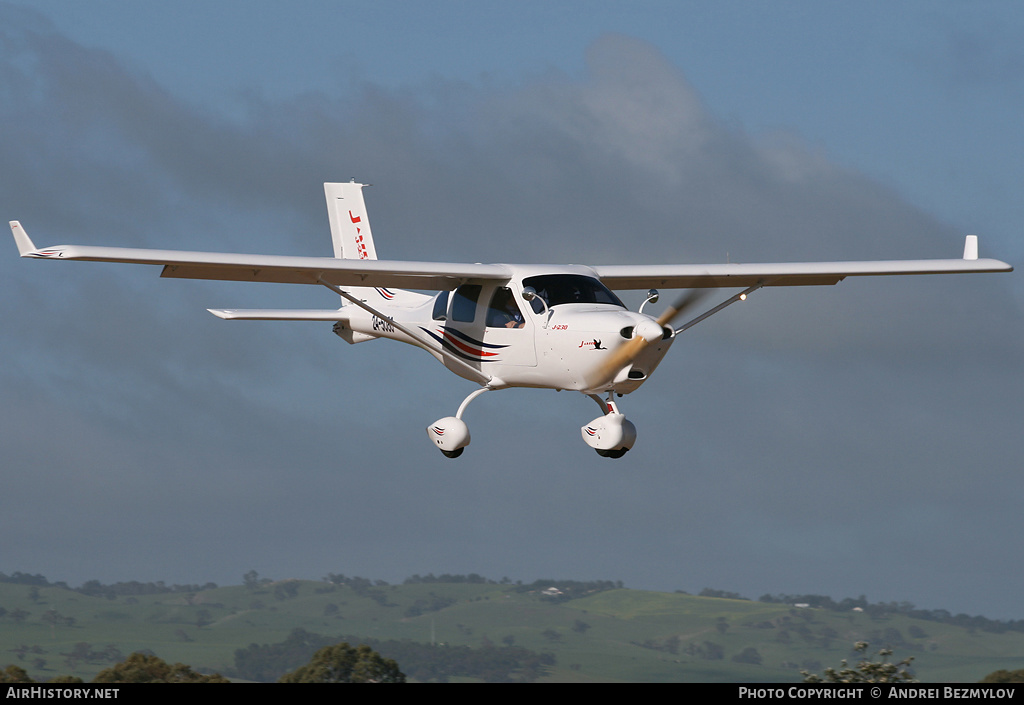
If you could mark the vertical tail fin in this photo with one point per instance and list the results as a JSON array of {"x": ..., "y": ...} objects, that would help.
[
  {"x": 350, "y": 231},
  {"x": 350, "y": 227}
]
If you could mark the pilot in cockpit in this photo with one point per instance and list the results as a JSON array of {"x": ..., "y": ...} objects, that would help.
[{"x": 503, "y": 311}]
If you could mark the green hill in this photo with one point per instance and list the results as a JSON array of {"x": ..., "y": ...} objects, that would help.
[{"x": 584, "y": 634}]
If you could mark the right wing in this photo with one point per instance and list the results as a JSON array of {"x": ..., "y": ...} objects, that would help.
[{"x": 433, "y": 276}]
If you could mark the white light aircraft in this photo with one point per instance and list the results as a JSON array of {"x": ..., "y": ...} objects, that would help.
[{"x": 501, "y": 325}]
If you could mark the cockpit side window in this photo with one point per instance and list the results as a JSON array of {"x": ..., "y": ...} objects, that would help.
[
  {"x": 464, "y": 302},
  {"x": 441, "y": 306},
  {"x": 503, "y": 311},
  {"x": 558, "y": 289}
]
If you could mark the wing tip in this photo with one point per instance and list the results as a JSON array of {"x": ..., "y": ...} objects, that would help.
[
  {"x": 971, "y": 247},
  {"x": 971, "y": 255}
]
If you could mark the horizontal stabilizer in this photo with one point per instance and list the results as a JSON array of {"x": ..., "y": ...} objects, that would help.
[{"x": 279, "y": 314}]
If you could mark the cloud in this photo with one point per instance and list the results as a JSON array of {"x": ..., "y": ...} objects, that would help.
[{"x": 286, "y": 450}]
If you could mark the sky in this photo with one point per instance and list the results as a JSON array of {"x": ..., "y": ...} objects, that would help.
[{"x": 861, "y": 439}]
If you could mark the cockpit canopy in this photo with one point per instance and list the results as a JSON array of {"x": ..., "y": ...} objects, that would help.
[{"x": 558, "y": 289}]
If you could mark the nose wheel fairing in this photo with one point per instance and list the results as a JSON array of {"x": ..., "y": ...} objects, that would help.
[{"x": 611, "y": 435}]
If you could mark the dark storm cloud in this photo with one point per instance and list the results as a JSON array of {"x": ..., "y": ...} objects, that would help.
[{"x": 763, "y": 442}]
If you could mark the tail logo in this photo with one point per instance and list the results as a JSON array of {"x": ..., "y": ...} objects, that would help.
[{"x": 360, "y": 245}]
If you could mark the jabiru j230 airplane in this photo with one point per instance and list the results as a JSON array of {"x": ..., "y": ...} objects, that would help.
[{"x": 502, "y": 325}]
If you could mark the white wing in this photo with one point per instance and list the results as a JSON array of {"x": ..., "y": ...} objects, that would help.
[
  {"x": 433, "y": 276},
  {"x": 697, "y": 276},
  {"x": 436, "y": 276}
]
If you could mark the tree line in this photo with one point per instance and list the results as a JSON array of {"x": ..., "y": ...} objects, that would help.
[
  {"x": 884, "y": 609},
  {"x": 424, "y": 662},
  {"x": 334, "y": 663},
  {"x": 94, "y": 588}
]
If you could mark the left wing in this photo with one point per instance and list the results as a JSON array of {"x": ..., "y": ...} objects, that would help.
[
  {"x": 702, "y": 276},
  {"x": 434, "y": 276}
]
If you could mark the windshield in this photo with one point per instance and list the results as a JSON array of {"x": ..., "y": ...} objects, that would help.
[{"x": 558, "y": 289}]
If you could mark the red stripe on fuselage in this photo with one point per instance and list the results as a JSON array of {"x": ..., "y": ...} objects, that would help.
[{"x": 465, "y": 348}]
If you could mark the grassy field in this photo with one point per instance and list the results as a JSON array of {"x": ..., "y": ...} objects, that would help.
[{"x": 610, "y": 636}]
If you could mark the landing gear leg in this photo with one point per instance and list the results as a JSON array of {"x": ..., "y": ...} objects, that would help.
[
  {"x": 610, "y": 435},
  {"x": 451, "y": 434}
]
